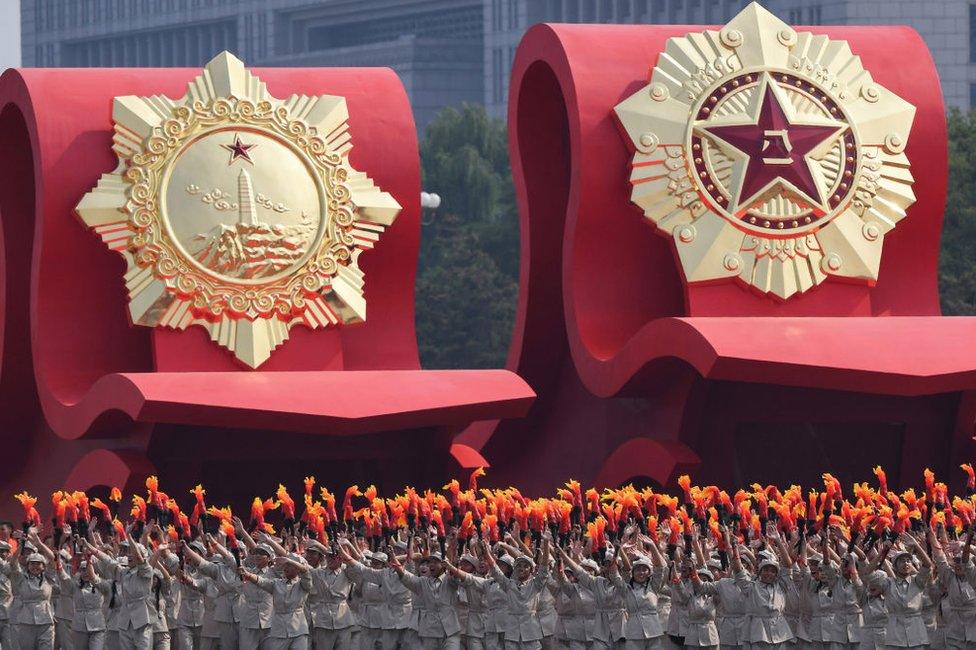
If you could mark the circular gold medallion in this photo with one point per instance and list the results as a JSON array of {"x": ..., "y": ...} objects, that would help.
[
  {"x": 769, "y": 156},
  {"x": 244, "y": 206},
  {"x": 237, "y": 211}
]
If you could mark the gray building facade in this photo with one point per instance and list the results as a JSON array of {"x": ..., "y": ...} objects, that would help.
[
  {"x": 434, "y": 45},
  {"x": 948, "y": 27},
  {"x": 446, "y": 51}
]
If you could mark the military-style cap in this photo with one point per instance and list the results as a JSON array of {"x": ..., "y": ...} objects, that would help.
[
  {"x": 897, "y": 555},
  {"x": 264, "y": 548},
  {"x": 642, "y": 561},
  {"x": 525, "y": 559}
]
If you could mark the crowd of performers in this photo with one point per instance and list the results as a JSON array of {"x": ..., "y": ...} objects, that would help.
[{"x": 762, "y": 567}]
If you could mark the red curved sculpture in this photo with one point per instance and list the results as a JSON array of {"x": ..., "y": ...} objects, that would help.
[
  {"x": 624, "y": 352},
  {"x": 86, "y": 394}
]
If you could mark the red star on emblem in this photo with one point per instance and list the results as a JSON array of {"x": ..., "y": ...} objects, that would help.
[
  {"x": 238, "y": 150},
  {"x": 776, "y": 150}
]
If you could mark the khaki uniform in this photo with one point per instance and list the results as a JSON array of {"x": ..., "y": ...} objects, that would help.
[
  {"x": 134, "y": 619},
  {"x": 642, "y": 619},
  {"x": 845, "y": 620},
  {"x": 577, "y": 612},
  {"x": 474, "y": 629},
  {"x": 289, "y": 627},
  {"x": 608, "y": 626},
  {"x": 700, "y": 605},
  {"x": 730, "y": 609},
  {"x": 874, "y": 620},
  {"x": 764, "y": 605},
  {"x": 523, "y": 629},
  {"x": 438, "y": 625},
  {"x": 189, "y": 617},
  {"x": 903, "y": 597},
  {"x": 207, "y": 635},
  {"x": 960, "y": 629},
  {"x": 385, "y": 609},
  {"x": 157, "y": 609},
  {"x": 64, "y": 613},
  {"x": 332, "y": 618},
  {"x": 33, "y": 615},
  {"x": 228, "y": 601},
  {"x": 88, "y": 601},
  {"x": 6, "y": 598},
  {"x": 816, "y": 608},
  {"x": 256, "y": 612}
]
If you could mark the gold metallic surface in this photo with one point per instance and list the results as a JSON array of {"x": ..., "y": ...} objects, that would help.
[
  {"x": 694, "y": 182},
  {"x": 237, "y": 211}
]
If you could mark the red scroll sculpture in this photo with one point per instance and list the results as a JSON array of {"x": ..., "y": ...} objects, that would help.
[
  {"x": 90, "y": 399},
  {"x": 644, "y": 375}
]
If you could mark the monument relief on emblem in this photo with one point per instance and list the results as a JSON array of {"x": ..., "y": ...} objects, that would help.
[
  {"x": 769, "y": 155},
  {"x": 238, "y": 212}
]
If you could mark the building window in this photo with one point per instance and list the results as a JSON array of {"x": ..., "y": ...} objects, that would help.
[
  {"x": 815, "y": 14},
  {"x": 795, "y": 16},
  {"x": 496, "y": 60},
  {"x": 972, "y": 96},
  {"x": 972, "y": 33}
]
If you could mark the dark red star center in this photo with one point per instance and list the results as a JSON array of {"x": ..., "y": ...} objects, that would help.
[
  {"x": 776, "y": 150},
  {"x": 238, "y": 150}
]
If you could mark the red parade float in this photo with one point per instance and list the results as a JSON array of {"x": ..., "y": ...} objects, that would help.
[
  {"x": 90, "y": 400},
  {"x": 641, "y": 372},
  {"x": 644, "y": 376}
]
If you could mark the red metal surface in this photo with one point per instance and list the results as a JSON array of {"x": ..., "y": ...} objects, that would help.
[
  {"x": 619, "y": 349},
  {"x": 73, "y": 367}
]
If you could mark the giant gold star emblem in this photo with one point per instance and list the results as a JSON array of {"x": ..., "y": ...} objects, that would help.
[
  {"x": 238, "y": 212},
  {"x": 769, "y": 155}
]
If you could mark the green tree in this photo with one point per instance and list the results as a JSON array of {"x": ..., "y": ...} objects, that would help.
[
  {"x": 467, "y": 280},
  {"x": 957, "y": 274}
]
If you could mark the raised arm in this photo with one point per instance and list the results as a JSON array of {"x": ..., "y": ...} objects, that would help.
[
  {"x": 877, "y": 561},
  {"x": 191, "y": 556},
  {"x": 780, "y": 547},
  {"x": 262, "y": 583},
  {"x": 409, "y": 580},
  {"x": 697, "y": 546},
  {"x": 657, "y": 558},
  {"x": 968, "y": 546},
  {"x": 918, "y": 549},
  {"x": 300, "y": 567},
  {"x": 733, "y": 546},
  {"x": 138, "y": 552},
  {"x": 242, "y": 534},
  {"x": 42, "y": 547},
  {"x": 542, "y": 568},
  {"x": 104, "y": 557},
  {"x": 273, "y": 543}
]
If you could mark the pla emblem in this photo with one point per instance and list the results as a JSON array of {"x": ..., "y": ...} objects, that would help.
[
  {"x": 769, "y": 155},
  {"x": 237, "y": 211}
]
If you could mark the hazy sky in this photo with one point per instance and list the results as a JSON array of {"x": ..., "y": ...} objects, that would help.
[{"x": 9, "y": 33}]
